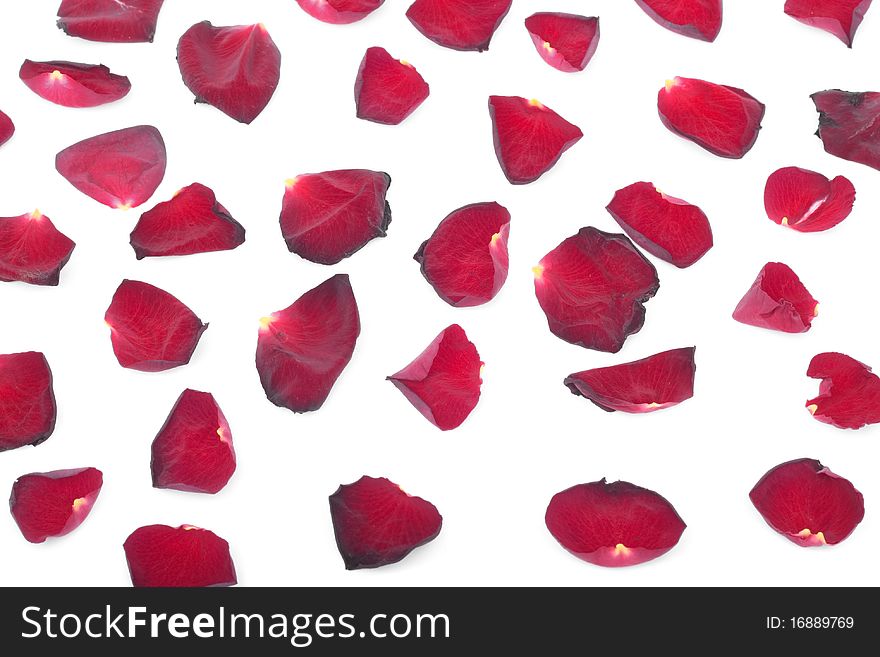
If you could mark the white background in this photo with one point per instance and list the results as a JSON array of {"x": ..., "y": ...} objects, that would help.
[{"x": 529, "y": 437}]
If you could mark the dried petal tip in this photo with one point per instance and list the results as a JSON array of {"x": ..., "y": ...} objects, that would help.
[
  {"x": 778, "y": 301},
  {"x": 7, "y": 128},
  {"x": 529, "y": 137},
  {"x": 847, "y": 124},
  {"x": 458, "y": 24},
  {"x": 339, "y": 12},
  {"x": 27, "y": 400},
  {"x": 73, "y": 85},
  {"x": 565, "y": 41},
  {"x": 387, "y": 90},
  {"x": 643, "y": 386},
  {"x": 839, "y": 17},
  {"x": 807, "y": 201},
  {"x": 32, "y": 250},
  {"x": 110, "y": 21},
  {"x": 849, "y": 395},
  {"x": 159, "y": 555},
  {"x": 51, "y": 504},
  {"x": 443, "y": 383},
  {"x": 698, "y": 19},
  {"x": 615, "y": 524},
  {"x": 376, "y": 523},
  {"x": 466, "y": 259},
  {"x": 808, "y": 504}
]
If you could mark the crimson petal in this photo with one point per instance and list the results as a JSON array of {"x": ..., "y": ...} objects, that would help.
[
  {"x": 51, "y": 504},
  {"x": 849, "y": 395},
  {"x": 458, "y": 24},
  {"x": 387, "y": 90},
  {"x": 466, "y": 259},
  {"x": 443, "y": 383},
  {"x": 159, "y": 555},
  {"x": 151, "y": 330},
  {"x": 32, "y": 250},
  {"x": 191, "y": 222},
  {"x": 777, "y": 300},
  {"x": 698, "y": 19},
  {"x": 847, "y": 123},
  {"x": 236, "y": 69},
  {"x": 73, "y": 85},
  {"x": 592, "y": 288},
  {"x": 643, "y": 386},
  {"x": 302, "y": 350},
  {"x": 529, "y": 137},
  {"x": 7, "y": 128},
  {"x": 376, "y": 523},
  {"x": 121, "y": 169},
  {"x": 328, "y": 216},
  {"x": 617, "y": 524},
  {"x": 839, "y": 17},
  {"x": 339, "y": 12},
  {"x": 111, "y": 21},
  {"x": 27, "y": 400},
  {"x": 807, "y": 503},
  {"x": 666, "y": 227},
  {"x": 565, "y": 41},
  {"x": 723, "y": 120},
  {"x": 193, "y": 449},
  {"x": 807, "y": 201}
]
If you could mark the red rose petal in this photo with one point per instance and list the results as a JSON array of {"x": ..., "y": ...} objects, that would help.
[
  {"x": 159, "y": 555},
  {"x": 807, "y": 503},
  {"x": 27, "y": 400},
  {"x": 387, "y": 90},
  {"x": 376, "y": 523},
  {"x": 592, "y": 288},
  {"x": 151, "y": 330},
  {"x": 723, "y": 120},
  {"x": 839, "y": 17},
  {"x": 191, "y": 222},
  {"x": 110, "y": 20},
  {"x": 50, "y": 504},
  {"x": 465, "y": 260},
  {"x": 303, "y": 349},
  {"x": 193, "y": 449},
  {"x": 612, "y": 525},
  {"x": 32, "y": 250},
  {"x": 443, "y": 383},
  {"x": 339, "y": 12},
  {"x": 328, "y": 216},
  {"x": 849, "y": 395},
  {"x": 777, "y": 300},
  {"x": 73, "y": 85},
  {"x": 699, "y": 19},
  {"x": 847, "y": 123},
  {"x": 236, "y": 69},
  {"x": 643, "y": 386},
  {"x": 7, "y": 128},
  {"x": 565, "y": 41},
  {"x": 529, "y": 137},
  {"x": 121, "y": 169},
  {"x": 666, "y": 227},
  {"x": 459, "y": 24},
  {"x": 807, "y": 201}
]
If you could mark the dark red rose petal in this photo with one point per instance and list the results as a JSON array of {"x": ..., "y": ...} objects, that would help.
[
  {"x": 32, "y": 250},
  {"x": 387, "y": 90},
  {"x": 50, "y": 504},
  {"x": 159, "y": 555},
  {"x": 328, "y": 216},
  {"x": 193, "y": 449},
  {"x": 666, "y": 227},
  {"x": 151, "y": 330},
  {"x": 303, "y": 349},
  {"x": 847, "y": 124},
  {"x": 27, "y": 400},
  {"x": 443, "y": 383},
  {"x": 839, "y": 17},
  {"x": 592, "y": 288},
  {"x": 699, "y": 19},
  {"x": 459, "y": 24},
  {"x": 236, "y": 69},
  {"x": 121, "y": 169},
  {"x": 849, "y": 395},
  {"x": 111, "y": 21},
  {"x": 723, "y": 120},
  {"x": 339, "y": 12},
  {"x": 7, "y": 128},
  {"x": 73, "y": 85},
  {"x": 529, "y": 137},
  {"x": 191, "y": 222},
  {"x": 808, "y": 504},
  {"x": 612, "y": 525},
  {"x": 376, "y": 523},
  {"x": 643, "y": 386},
  {"x": 466, "y": 260},
  {"x": 807, "y": 201},
  {"x": 565, "y": 41},
  {"x": 777, "y": 300}
]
